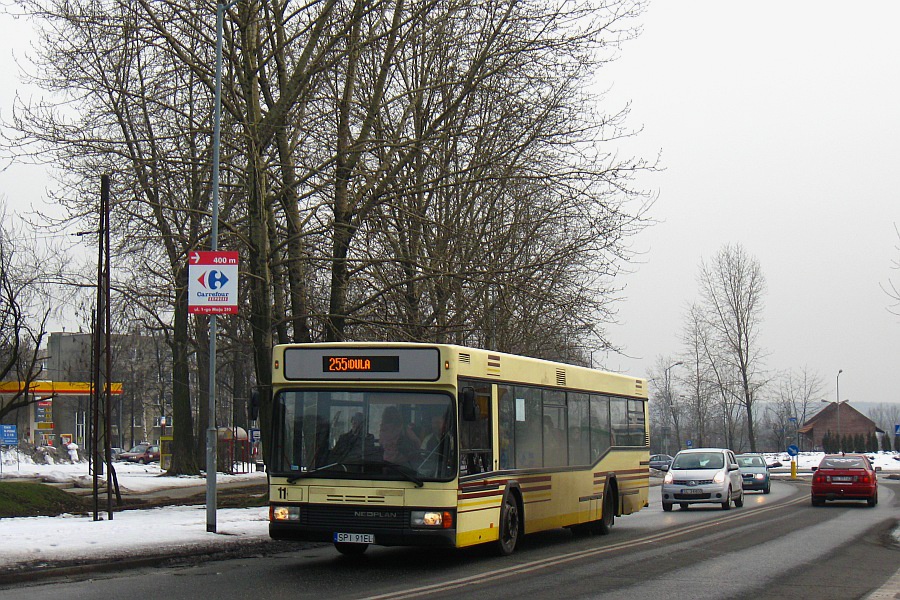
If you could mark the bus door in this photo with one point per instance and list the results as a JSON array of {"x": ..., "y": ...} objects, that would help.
[{"x": 476, "y": 454}]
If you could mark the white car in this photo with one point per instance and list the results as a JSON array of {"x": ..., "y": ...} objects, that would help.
[{"x": 703, "y": 476}]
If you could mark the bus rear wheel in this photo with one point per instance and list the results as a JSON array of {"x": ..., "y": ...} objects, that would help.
[
  {"x": 350, "y": 549},
  {"x": 509, "y": 526},
  {"x": 608, "y": 518}
]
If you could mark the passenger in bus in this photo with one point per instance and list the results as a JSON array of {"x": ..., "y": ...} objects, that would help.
[
  {"x": 435, "y": 434},
  {"x": 433, "y": 454},
  {"x": 401, "y": 444},
  {"x": 317, "y": 447}
]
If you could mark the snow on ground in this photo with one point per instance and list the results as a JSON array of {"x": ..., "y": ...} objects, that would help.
[
  {"x": 132, "y": 477},
  {"x": 131, "y": 533},
  {"x": 134, "y": 533}
]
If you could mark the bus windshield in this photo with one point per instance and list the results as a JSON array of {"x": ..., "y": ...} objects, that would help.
[{"x": 342, "y": 434}]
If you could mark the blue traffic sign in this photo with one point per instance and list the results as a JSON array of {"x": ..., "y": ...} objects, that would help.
[
  {"x": 896, "y": 430},
  {"x": 793, "y": 450},
  {"x": 690, "y": 443},
  {"x": 8, "y": 435}
]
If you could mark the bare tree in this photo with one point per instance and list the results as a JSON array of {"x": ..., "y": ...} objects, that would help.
[
  {"x": 701, "y": 385},
  {"x": 667, "y": 402},
  {"x": 732, "y": 287},
  {"x": 799, "y": 395},
  {"x": 26, "y": 304}
]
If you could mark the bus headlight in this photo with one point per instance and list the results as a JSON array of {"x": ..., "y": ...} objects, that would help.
[
  {"x": 431, "y": 519},
  {"x": 284, "y": 513}
]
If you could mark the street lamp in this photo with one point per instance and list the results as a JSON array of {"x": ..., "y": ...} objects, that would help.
[
  {"x": 669, "y": 399},
  {"x": 838, "y": 403}
]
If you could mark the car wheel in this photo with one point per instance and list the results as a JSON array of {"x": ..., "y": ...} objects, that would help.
[
  {"x": 509, "y": 526},
  {"x": 350, "y": 549},
  {"x": 142, "y": 461},
  {"x": 872, "y": 501},
  {"x": 667, "y": 506},
  {"x": 768, "y": 488},
  {"x": 740, "y": 500},
  {"x": 726, "y": 505},
  {"x": 816, "y": 501}
]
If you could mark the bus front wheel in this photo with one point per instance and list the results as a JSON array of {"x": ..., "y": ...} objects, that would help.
[
  {"x": 350, "y": 549},
  {"x": 509, "y": 526}
]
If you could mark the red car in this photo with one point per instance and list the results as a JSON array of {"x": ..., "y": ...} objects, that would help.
[
  {"x": 844, "y": 477},
  {"x": 142, "y": 453}
]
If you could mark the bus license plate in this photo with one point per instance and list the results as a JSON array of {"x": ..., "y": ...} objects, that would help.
[{"x": 354, "y": 538}]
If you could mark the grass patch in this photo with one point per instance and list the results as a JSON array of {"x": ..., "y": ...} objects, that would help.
[{"x": 35, "y": 500}]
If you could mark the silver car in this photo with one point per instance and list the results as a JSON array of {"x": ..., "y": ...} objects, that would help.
[{"x": 703, "y": 476}]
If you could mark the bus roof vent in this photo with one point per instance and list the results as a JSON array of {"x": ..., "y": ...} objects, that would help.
[
  {"x": 465, "y": 357},
  {"x": 560, "y": 377}
]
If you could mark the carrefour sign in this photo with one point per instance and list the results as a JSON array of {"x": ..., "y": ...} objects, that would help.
[{"x": 213, "y": 282}]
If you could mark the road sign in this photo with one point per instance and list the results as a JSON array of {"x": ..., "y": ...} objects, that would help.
[
  {"x": 793, "y": 450},
  {"x": 690, "y": 443},
  {"x": 8, "y": 435},
  {"x": 896, "y": 430},
  {"x": 213, "y": 283}
]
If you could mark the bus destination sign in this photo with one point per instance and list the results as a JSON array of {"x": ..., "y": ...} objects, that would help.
[
  {"x": 361, "y": 364},
  {"x": 356, "y": 364}
]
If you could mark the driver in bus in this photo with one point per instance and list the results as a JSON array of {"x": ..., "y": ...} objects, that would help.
[
  {"x": 354, "y": 443},
  {"x": 401, "y": 444}
]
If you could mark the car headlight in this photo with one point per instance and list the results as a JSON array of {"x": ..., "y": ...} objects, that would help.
[
  {"x": 668, "y": 478},
  {"x": 431, "y": 519},
  {"x": 720, "y": 477},
  {"x": 284, "y": 513},
  {"x": 759, "y": 476}
]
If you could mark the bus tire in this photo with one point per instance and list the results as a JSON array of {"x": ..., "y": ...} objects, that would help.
[
  {"x": 350, "y": 549},
  {"x": 510, "y": 525},
  {"x": 608, "y": 518}
]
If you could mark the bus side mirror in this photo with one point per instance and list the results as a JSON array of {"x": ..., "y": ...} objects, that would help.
[{"x": 469, "y": 408}]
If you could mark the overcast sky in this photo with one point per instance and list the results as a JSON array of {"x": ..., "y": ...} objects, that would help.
[{"x": 779, "y": 126}]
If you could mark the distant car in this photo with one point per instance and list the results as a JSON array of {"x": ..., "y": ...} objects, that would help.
[
  {"x": 660, "y": 462},
  {"x": 142, "y": 453},
  {"x": 116, "y": 453},
  {"x": 755, "y": 472},
  {"x": 844, "y": 477},
  {"x": 703, "y": 476}
]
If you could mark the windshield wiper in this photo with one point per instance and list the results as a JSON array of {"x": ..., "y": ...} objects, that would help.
[
  {"x": 405, "y": 471},
  {"x": 303, "y": 474}
]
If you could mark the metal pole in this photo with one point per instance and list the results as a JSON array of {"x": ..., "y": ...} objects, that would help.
[
  {"x": 838, "y": 386},
  {"x": 214, "y": 243}
]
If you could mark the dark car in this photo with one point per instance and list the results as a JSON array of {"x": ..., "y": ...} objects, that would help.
[
  {"x": 755, "y": 472},
  {"x": 844, "y": 477},
  {"x": 660, "y": 462},
  {"x": 142, "y": 453}
]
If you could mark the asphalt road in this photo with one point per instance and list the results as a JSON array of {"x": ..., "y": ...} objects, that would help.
[{"x": 776, "y": 546}]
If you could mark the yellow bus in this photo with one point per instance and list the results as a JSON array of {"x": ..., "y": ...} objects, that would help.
[{"x": 448, "y": 446}]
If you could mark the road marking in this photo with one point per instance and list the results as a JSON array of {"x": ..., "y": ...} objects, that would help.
[{"x": 573, "y": 556}]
